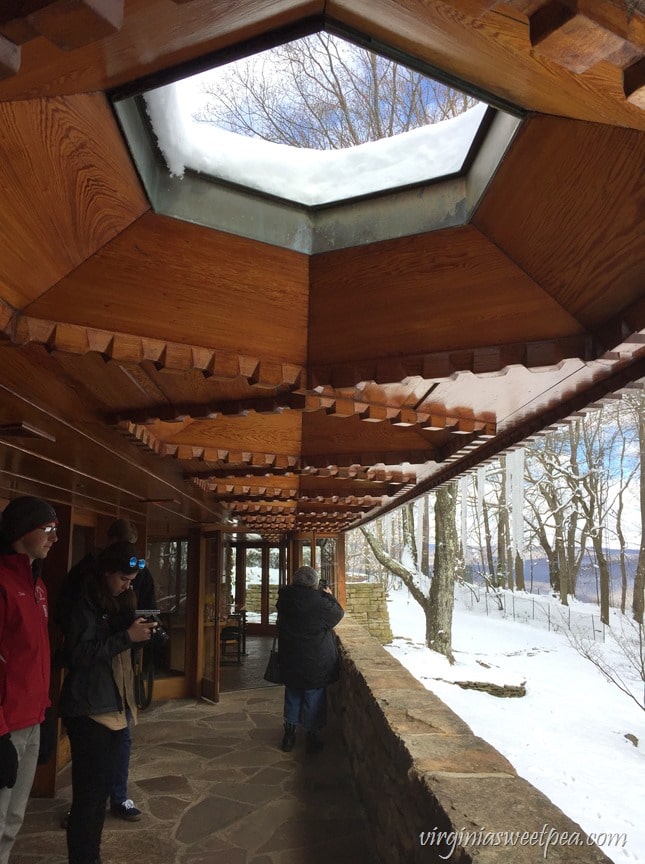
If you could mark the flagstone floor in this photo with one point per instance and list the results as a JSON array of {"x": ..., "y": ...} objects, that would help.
[{"x": 215, "y": 788}]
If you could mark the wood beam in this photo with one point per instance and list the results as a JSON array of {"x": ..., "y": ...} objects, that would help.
[
  {"x": 572, "y": 39},
  {"x": 71, "y": 24},
  {"x": 370, "y": 412},
  {"x": 634, "y": 83},
  {"x": 9, "y": 58},
  {"x": 441, "y": 366},
  {"x": 68, "y": 24},
  {"x": 124, "y": 347},
  {"x": 361, "y": 474},
  {"x": 386, "y": 457},
  {"x": 145, "y": 438}
]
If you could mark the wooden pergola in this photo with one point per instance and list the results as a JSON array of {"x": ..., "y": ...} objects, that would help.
[{"x": 183, "y": 375}]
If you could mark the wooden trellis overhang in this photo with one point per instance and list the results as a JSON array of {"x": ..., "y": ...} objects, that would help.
[{"x": 159, "y": 367}]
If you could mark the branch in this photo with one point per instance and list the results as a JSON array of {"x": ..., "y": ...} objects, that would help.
[{"x": 395, "y": 567}]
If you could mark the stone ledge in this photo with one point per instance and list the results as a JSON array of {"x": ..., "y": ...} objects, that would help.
[{"x": 420, "y": 768}]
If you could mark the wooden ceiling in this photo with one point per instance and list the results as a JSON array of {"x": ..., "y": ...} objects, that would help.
[{"x": 163, "y": 370}]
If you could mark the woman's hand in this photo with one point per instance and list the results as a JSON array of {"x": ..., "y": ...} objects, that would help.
[{"x": 141, "y": 630}]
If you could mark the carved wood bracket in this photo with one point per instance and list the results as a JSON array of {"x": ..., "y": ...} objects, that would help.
[
  {"x": 578, "y": 34},
  {"x": 68, "y": 24}
]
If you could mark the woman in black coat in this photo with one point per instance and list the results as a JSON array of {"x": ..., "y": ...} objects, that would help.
[
  {"x": 308, "y": 656},
  {"x": 99, "y": 629}
]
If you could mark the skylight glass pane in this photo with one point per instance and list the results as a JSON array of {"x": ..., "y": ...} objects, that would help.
[{"x": 308, "y": 138}]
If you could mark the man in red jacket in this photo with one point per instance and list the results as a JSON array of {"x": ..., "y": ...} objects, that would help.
[{"x": 27, "y": 533}]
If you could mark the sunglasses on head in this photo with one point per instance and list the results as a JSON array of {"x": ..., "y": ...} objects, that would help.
[{"x": 140, "y": 563}]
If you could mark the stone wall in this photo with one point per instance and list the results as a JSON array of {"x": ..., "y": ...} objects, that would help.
[
  {"x": 419, "y": 768},
  {"x": 366, "y": 602},
  {"x": 253, "y": 598}
]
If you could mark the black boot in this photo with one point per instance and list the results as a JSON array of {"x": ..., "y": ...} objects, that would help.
[
  {"x": 289, "y": 738},
  {"x": 314, "y": 744}
]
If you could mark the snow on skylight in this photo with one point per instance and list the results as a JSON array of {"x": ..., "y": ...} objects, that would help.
[{"x": 309, "y": 177}]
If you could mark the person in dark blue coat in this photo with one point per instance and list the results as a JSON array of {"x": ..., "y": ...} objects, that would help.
[{"x": 309, "y": 661}]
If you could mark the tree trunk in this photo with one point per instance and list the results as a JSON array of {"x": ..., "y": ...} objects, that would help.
[
  {"x": 409, "y": 538},
  {"x": 425, "y": 536},
  {"x": 504, "y": 573},
  {"x": 519, "y": 572},
  {"x": 603, "y": 573},
  {"x": 442, "y": 589},
  {"x": 638, "y": 601},
  {"x": 489, "y": 544}
]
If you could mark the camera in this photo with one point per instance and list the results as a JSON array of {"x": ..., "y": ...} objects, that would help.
[
  {"x": 159, "y": 635},
  {"x": 323, "y": 583}
]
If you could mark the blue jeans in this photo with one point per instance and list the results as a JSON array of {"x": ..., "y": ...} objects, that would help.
[{"x": 306, "y": 707}]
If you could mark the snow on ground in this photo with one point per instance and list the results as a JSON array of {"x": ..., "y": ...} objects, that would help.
[{"x": 567, "y": 735}]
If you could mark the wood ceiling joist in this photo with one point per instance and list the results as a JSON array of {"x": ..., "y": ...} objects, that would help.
[
  {"x": 284, "y": 508},
  {"x": 340, "y": 407},
  {"x": 363, "y": 473},
  {"x": 441, "y": 366},
  {"x": 342, "y": 505},
  {"x": 393, "y": 479},
  {"x": 240, "y": 473},
  {"x": 68, "y": 24},
  {"x": 238, "y": 459},
  {"x": 126, "y": 348},
  {"x": 265, "y": 494},
  {"x": 154, "y": 35},
  {"x": 579, "y": 34},
  {"x": 393, "y": 457}
]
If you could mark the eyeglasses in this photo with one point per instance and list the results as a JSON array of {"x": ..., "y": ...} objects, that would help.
[
  {"x": 137, "y": 562},
  {"x": 49, "y": 529}
]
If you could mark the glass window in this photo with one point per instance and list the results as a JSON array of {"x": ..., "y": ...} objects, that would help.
[
  {"x": 315, "y": 121},
  {"x": 168, "y": 563}
]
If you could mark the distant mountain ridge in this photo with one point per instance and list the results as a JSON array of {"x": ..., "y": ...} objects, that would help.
[{"x": 536, "y": 576}]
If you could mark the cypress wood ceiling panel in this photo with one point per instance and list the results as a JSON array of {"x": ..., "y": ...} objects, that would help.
[
  {"x": 420, "y": 349},
  {"x": 155, "y": 35},
  {"x": 68, "y": 187},
  {"x": 568, "y": 206},
  {"x": 482, "y": 42},
  {"x": 488, "y": 44},
  {"x": 170, "y": 280},
  {"x": 402, "y": 297}
]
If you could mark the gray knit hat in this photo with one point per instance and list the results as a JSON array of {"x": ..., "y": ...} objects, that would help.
[
  {"x": 24, "y": 514},
  {"x": 305, "y": 576}
]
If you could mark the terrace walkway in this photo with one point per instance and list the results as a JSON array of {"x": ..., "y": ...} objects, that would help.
[{"x": 215, "y": 787}]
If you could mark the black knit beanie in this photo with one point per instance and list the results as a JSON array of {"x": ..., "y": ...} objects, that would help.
[
  {"x": 24, "y": 514},
  {"x": 120, "y": 557}
]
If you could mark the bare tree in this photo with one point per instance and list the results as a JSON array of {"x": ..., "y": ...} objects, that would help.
[
  {"x": 629, "y": 638},
  {"x": 441, "y": 599},
  {"x": 325, "y": 93},
  {"x": 635, "y": 406},
  {"x": 438, "y": 602},
  {"x": 553, "y": 504}
]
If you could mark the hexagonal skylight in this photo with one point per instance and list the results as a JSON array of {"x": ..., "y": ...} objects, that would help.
[{"x": 327, "y": 153}]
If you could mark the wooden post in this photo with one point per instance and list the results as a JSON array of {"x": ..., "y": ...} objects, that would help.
[{"x": 341, "y": 583}]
